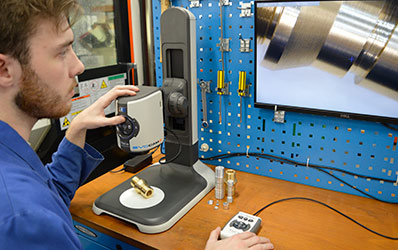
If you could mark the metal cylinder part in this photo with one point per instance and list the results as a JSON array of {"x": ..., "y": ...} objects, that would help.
[
  {"x": 141, "y": 187},
  {"x": 230, "y": 174},
  {"x": 337, "y": 36},
  {"x": 219, "y": 185},
  {"x": 230, "y": 188}
]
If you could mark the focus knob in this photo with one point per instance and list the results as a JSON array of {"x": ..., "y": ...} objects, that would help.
[{"x": 177, "y": 104}]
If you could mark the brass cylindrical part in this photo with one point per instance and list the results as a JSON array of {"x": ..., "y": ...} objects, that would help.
[
  {"x": 141, "y": 187},
  {"x": 230, "y": 174}
]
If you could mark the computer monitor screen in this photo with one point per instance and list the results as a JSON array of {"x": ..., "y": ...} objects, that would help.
[{"x": 337, "y": 58}]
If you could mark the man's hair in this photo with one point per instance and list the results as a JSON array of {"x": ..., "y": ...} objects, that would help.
[{"x": 19, "y": 19}]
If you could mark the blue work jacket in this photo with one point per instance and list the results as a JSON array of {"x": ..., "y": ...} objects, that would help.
[{"x": 34, "y": 199}]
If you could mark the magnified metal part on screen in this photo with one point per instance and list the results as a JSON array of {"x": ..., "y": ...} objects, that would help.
[{"x": 337, "y": 37}]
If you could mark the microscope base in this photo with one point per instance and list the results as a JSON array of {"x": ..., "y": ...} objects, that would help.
[{"x": 177, "y": 188}]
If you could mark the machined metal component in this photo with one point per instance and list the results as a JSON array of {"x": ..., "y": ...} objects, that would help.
[
  {"x": 219, "y": 186},
  {"x": 230, "y": 190},
  {"x": 230, "y": 175},
  {"x": 225, "y": 205},
  {"x": 338, "y": 37},
  {"x": 141, "y": 187}
]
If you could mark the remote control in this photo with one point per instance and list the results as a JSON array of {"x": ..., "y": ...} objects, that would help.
[{"x": 241, "y": 222}]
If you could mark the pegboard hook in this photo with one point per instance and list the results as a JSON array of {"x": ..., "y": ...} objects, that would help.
[
  {"x": 396, "y": 182},
  {"x": 247, "y": 152}
]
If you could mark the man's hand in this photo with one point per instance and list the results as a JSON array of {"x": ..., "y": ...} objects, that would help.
[
  {"x": 94, "y": 116},
  {"x": 245, "y": 240}
]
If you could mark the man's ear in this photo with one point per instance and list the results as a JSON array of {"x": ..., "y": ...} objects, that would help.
[{"x": 10, "y": 70}]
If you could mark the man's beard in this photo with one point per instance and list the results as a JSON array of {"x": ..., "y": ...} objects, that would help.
[{"x": 37, "y": 99}]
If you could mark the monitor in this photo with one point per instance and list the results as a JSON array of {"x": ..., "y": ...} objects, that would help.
[{"x": 337, "y": 58}]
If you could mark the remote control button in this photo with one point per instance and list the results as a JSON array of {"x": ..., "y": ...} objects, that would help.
[
  {"x": 247, "y": 227},
  {"x": 250, "y": 220},
  {"x": 245, "y": 219},
  {"x": 240, "y": 217}
]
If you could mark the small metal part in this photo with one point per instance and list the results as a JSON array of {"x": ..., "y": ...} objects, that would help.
[
  {"x": 219, "y": 183},
  {"x": 244, "y": 44},
  {"x": 204, "y": 88},
  {"x": 225, "y": 2},
  {"x": 217, "y": 203},
  {"x": 225, "y": 205},
  {"x": 279, "y": 115},
  {"x": 215, "y": 207},
  {"x": 224, "y": 45},
  {"x": 141, "y": 187},
  {"x": 230, "y": 174},
  {"x": 204, "y": 147},
  {"x": 195, "y": 4},
  {"x": 210, "y": 202},
  {"x": 246, "y": 9}
]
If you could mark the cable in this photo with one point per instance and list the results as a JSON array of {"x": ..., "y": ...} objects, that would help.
[
  {"x": 390, "y": 127},
  {"x": 292, "y": 162},
  {"x": 124, "y": 168},
  {"x": 320, "y": 168},
  {"x": 323, "y": 204},
  {"x": 179, "y": 149}
]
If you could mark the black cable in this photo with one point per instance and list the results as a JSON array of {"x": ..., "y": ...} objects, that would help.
[
  {"x": 323, "y": 204},
  {"x": 124, "y": 168},
  {"x": 292, "y": 162},
  {"x": 351, "y": 186},
  {"x": 390, "y": 127},
  {"x": 320, "y": 168},
  {"x": 179, "y": 149}
]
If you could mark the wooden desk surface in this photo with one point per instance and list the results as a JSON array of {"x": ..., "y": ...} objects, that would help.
[{"x": 290, "y": 225}]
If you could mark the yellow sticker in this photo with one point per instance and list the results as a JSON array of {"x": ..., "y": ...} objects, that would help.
[
  {"x": 103, "y": 85},
  {"x": 66, "y": 122}
]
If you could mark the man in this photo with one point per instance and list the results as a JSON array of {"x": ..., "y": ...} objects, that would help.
[{"x": 37, "y": 71}]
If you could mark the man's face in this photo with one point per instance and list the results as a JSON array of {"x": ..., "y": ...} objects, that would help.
[{"x": 47, "y": 83}]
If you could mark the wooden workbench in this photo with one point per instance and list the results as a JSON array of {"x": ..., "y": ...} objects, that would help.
[{"x": 292, "y": 224}]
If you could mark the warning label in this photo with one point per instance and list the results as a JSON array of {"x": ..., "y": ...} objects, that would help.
[{"x": 89, "y": 92}]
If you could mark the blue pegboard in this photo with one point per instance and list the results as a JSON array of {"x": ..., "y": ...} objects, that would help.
[{"x": 365, "y": 148}]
